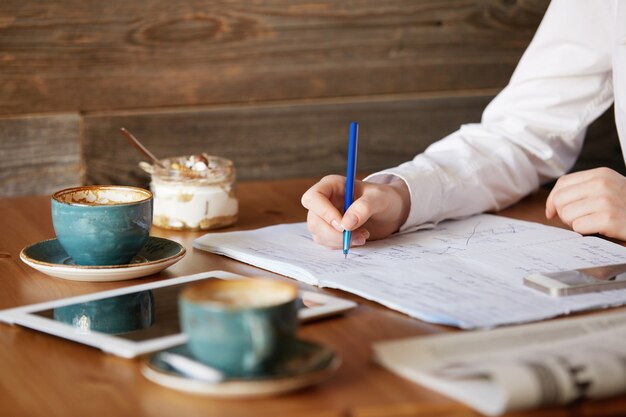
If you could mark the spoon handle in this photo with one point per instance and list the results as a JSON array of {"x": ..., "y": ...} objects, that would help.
[
  {"x": 192, "y": 368},
  {"x": 139, "y": 146}
]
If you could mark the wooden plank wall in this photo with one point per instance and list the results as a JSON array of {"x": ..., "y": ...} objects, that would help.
[
  {"x": 39, "y": 153},
  {"x": 270, "y": 84}
]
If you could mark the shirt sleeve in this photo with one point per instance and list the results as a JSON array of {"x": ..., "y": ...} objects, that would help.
[{"x": 530, "y": 133}]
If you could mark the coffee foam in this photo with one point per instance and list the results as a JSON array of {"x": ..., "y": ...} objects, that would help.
[
  {"x": 241, "y": 294},
  {"x": 102, "y": 196}
]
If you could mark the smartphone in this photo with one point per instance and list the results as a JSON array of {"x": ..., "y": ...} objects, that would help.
[{"x": 579, "y": 281}]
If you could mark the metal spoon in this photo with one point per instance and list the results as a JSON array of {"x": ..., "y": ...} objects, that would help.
[
  {"x": 139, "y": 146},
  {"x": 192, "y": 368}
]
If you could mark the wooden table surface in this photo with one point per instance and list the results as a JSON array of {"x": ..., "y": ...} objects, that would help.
[{"x": 41, "y": 375}]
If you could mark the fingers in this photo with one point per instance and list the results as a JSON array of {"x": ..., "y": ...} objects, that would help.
[
  {"x": 609, "y": 224},
  {"x": 550, "y": 207},
  {"x": 318, "y": 200},
  {"x": 566, "y": 181},
  {"x": 325, "y": 235},
  {"x": 564, "y": 196},
  {"x": 578, "y": 185},
  {"x": 583, "y": 207},
  {"x": 322, "y": 232},
  {"x": 592, "y": 201},
  {"x": 362, "y": 209},
  {"x": 377, "y": 211},
  {"x": 588, "y": 224},
  {"x": 323, "y": 218}
]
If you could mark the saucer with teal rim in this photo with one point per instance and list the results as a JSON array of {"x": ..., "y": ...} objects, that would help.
[
  {"x": 305, "y": 364},
  {"x": 49, "y": 257}
]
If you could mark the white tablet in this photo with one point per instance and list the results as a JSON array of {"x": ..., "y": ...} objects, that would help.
[{"x": 138, "y": 319}]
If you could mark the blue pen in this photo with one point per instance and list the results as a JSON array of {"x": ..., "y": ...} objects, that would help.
[{"x": 350, "y": 173}]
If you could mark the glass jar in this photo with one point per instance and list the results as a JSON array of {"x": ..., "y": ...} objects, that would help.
[{"x": 194, "y": 192}]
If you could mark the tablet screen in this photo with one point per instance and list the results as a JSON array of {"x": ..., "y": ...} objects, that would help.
[
  {"x": 137, "y": 316},
  {"x": 138, "y": 319}
]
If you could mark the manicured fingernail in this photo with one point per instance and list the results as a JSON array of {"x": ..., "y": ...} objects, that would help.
[
  {"x": 359, "y": 241},
  {"x": 365, "y": 234},
  {"x": 334, "y": 223},
  {"x": 349, "y": 221}
]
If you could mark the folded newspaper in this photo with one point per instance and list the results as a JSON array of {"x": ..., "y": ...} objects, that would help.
[{"x": 518, "y": 368}]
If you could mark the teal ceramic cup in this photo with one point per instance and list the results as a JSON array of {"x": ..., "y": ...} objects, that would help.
[
  {"x": 240, "y": 327},
  {"x": 102, "y": 224},
  {"x": 121, "y": 314}
]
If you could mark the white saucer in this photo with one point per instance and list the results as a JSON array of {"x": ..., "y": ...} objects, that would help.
[
  {"x": 306, "y": 364},
  {"x": 50, "y": 258}
]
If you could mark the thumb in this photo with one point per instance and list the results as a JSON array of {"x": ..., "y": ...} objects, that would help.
[{"x": 357, "y": 214}]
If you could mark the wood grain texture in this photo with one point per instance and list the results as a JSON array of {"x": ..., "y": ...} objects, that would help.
[
  {"x": 277, "y": 141},
  {"x": 119, "y": 54},
  {"x": 39, "y": 155},
  {"x": 41, "y": 375},
  {"x": 333, "y": 61}
]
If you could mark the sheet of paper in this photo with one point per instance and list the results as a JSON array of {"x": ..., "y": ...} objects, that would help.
[
  {"x": 466, "y": 273},
  {"x": 519, "y": 367}
]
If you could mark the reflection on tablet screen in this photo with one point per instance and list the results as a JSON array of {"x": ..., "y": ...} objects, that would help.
[{"x": 137, "y": 316}]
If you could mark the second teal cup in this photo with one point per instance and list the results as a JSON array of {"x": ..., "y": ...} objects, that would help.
[
  {"x": 240, "y": 327},
  {"x": 102, "y": 224}
]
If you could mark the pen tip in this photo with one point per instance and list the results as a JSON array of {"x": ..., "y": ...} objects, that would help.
[{"x": 345, "y": 256}]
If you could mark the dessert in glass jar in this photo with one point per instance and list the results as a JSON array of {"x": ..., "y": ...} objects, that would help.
[{"x": 195, "y": 192}]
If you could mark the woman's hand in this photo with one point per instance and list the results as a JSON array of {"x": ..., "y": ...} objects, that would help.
[
  {"x": 592, "y": 201},
  {"x": 378, "y": 210}
]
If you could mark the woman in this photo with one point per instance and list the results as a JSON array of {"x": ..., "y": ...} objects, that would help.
[{"x": 531, "y": 133}]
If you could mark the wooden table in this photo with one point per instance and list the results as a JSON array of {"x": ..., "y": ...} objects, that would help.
[{"x": 41, "y": 375}]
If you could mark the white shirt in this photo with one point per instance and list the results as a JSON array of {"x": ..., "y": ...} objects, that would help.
[{"x": 533, "y": 131}]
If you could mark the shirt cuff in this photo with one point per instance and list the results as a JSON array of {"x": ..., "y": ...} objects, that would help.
[{"x": 425, "y": 189}]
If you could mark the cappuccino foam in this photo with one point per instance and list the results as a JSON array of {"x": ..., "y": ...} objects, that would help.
[{"x": 240, "y": 294}]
